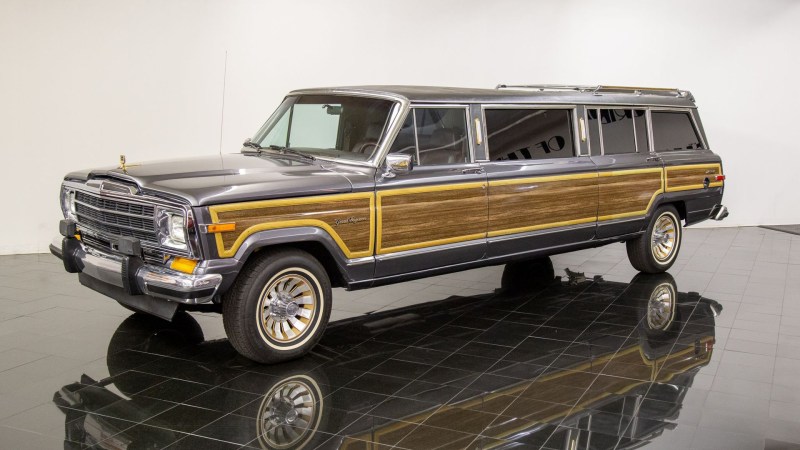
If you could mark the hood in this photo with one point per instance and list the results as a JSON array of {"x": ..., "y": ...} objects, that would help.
[{"x": 229, "y": 178}]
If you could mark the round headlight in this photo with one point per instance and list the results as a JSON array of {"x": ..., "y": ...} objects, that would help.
[{"x": 177, "y": 228}]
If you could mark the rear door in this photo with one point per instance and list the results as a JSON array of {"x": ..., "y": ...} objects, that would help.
[
  {"x": 435, "y": 215},
  {"x": 630, "y": 176},
  {"x": 694, "y": 176}
]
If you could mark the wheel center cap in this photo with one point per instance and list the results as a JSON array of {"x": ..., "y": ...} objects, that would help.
[{"x": 283, "y": 307}]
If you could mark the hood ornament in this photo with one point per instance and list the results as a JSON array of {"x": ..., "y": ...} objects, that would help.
[{"x": 123, "y": 165}]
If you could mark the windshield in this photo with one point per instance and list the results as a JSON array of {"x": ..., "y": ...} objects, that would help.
[{"x": 332, "y": 126}]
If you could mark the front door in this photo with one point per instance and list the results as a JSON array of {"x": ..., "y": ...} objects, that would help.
[
  {"x": 630, "y": 176},
  {"x": 435, "y": 215}
]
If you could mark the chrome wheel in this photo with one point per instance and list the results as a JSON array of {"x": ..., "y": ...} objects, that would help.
[
  {"x": 289, "y": 414},
  {"x": 287, "y": 306},
  {"x": 664, "y": 238},
  {"x": 661, "y": 307}
]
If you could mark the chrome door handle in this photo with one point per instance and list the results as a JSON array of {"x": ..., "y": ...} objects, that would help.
[
  {"x": 473, "y": 170},
  {"x": 654, "y": 158}
]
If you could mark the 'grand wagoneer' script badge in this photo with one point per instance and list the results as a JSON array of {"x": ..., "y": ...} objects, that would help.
[{"x": 337, "y": 222}]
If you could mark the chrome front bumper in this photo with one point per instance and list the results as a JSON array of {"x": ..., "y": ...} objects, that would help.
[{"x": 147, "y": 279}]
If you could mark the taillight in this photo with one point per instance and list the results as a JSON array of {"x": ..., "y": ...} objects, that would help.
[{"x": 720, "y": 177}]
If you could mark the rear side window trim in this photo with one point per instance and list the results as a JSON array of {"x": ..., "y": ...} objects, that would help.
[{"x": 573, "y": 129}]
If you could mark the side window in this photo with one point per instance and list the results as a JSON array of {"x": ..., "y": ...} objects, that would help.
[
  {"x": 440, "y": 136},
  {"x": 617, "y": 131},
  {"x": 673, "y": 130},
  {"x": 640, "y": 124},
  {"x": 529, "y": 133}
]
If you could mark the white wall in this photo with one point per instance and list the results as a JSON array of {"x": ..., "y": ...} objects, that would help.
[{"x": 83, "y": 81}]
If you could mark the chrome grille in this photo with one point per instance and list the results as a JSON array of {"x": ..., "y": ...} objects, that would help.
[{"x": 114, "y": 218}]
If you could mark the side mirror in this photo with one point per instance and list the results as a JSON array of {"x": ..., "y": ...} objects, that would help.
[{"x": 398, "y": 164}]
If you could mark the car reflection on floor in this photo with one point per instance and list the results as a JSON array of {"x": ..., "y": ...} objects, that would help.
[{"x": 560, "y": 362}]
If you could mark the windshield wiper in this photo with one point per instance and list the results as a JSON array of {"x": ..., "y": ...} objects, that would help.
[
  {"x": 295, "y": 152},
  {"x": 283, "y": 150}
]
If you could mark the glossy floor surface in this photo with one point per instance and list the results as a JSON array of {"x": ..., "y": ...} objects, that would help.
[{"x": 577, "y": 351}]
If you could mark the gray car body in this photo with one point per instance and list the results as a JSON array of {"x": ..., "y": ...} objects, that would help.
[{"x": 204, "y": 181}]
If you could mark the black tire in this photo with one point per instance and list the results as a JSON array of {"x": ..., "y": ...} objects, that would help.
[
  {"x": 255, "y": 325},
  {"x": 641, "y": 253}
]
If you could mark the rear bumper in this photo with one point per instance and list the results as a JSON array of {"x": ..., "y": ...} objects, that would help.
[
  {"x": 134, "y": 276},
  {"x": 718, "y": 212}
]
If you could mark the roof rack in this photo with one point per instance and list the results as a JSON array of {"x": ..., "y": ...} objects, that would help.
[{"x": 597, "y": 90}]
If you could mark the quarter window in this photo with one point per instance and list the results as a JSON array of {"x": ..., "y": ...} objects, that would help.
[
  {"x": 514, "y": 134},
  {"x": 673, "y": 130},
  {"x": 434, "y": 136}
]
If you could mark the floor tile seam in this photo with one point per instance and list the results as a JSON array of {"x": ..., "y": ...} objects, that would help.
[
  {"x": 672, "y": 349},
  {"x": 25, "y": 363},
  {"x": 507, "y": 353}
]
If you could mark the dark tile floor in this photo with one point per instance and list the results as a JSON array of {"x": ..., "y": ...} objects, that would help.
[{"x": 575, "y": 352}]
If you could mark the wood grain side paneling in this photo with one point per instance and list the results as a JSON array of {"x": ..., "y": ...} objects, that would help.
[
  {"x": 627, "y": 193},
  {"x": 517, "y": 206},
  {"x": 413, "y": 218},
  {"x": 348, "y": 218},
  {"x": 683, "y": 178}
]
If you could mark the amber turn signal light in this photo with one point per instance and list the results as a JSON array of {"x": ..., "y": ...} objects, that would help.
[
  {"x": 183, "y": 265},
  {"x": 221, "y": 227}
]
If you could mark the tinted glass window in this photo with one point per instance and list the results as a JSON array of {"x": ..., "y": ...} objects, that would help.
[
  {"x": 593, "y": 125},
  {"x": 674, "y": 131},
  {"x": 617, "y": 131},
  {"x": 529, "y": 133},
  {"x": 441, "y": 134},
  {"x": 640, "y": 123}
]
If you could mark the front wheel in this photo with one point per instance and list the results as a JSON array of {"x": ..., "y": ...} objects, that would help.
[
  {"x": 278, "y": 307},
  {"x": 655, "y": 251}
]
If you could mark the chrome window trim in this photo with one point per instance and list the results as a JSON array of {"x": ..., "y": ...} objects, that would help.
[
  {"x": 690, "y": 112},
  {"x": 485, "y": 106},
  {"x": 467, "y": 116},
  {"x": 635, "y": 136}
]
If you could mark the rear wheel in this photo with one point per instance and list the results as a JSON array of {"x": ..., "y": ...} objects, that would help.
[
  {"x": 278, "y": 307},
  {"x": 655, "y": 250}
]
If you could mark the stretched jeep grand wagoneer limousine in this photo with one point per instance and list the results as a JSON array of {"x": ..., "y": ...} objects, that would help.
[{"x": 362, "y": 186}]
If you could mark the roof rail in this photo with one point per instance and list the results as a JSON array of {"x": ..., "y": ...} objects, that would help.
[{"x": 599, "y": 89}]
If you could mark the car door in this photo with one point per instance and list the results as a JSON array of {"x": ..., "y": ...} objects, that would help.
[
  {"x": 542, "y": 188},
  {"x": 436, "y": 214},
  {"x": 630, "y": 176}
]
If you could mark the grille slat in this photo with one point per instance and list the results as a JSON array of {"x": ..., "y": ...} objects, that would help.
[{"x": 116, "y": 218}]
